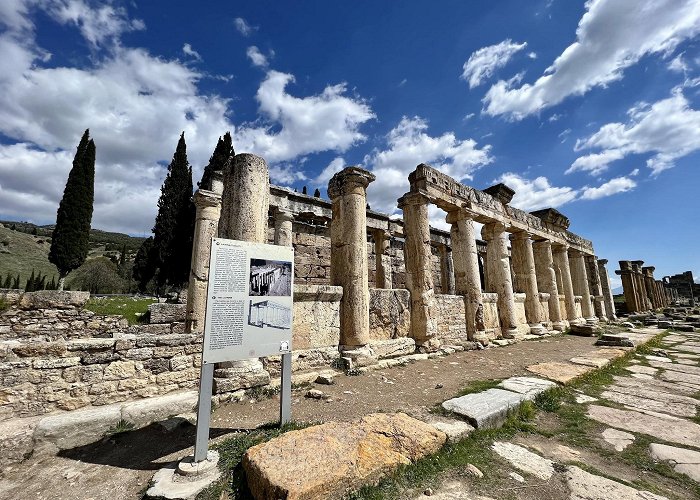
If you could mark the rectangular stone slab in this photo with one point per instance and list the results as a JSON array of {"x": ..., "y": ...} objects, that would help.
[
  {"x": 559, "y": 372},
  {"x": 487, "y": 409}
]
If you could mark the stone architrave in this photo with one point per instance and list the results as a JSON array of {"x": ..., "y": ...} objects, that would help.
[
  {"x": 447, "y": 274},
  {"x": 499, "y": 276},
  {"x": 246, "y": 199},
  {"x": 419, "y": 279},
  {"x": 629, "y": 286},
  {"x": 525, "y": 278},
  {"x": 607, "y": 290},
  {"x": 596, "y": 288},
  {"x": 349, "y": 267},
  {"x": 244, "y": 210},
  {"x": 580, "y": 283},
  {"x": 208, "y": 210},
  {"x": 547, "y": 281},
  {"x": 466, "y": 271},
  {"x": 382, "y": 243},
  {"x": 561, "y": 260},
  {"x": 283, "y": 228}
]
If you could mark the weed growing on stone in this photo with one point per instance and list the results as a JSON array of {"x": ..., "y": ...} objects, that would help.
[
  {"x": 120, "y": 427},
  {"x": 4, "y": 306},
  {"x": 231, "y": 451}
]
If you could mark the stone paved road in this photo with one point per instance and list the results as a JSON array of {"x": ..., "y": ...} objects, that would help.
[{"x": 653, "y": 407}]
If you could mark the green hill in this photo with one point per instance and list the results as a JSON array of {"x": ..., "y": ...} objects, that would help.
[{"x": 26, "y": 248}]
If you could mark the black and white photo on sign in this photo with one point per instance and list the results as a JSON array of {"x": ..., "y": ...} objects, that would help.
[
  {"x": 267, "y": 313},
  {"x": 271, "y": 278}
]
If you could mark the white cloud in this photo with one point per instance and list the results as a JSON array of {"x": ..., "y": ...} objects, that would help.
[
  {"x": 678, "y": 64},
  {"x": 408, "y": 144},
  {"x": 300, "y": 126},
  {"x": 98, "y": 24},
  {"x": 532, "y": 55},
  {"x": 482, "y": 64},
  {"x": 564, "y": 135},
  {"x": 611, "y": 36},
  {"x": 256, "y": 57},
  {"x": 537, "y": 193},
  {"x": 285, "y": 174},
  {"x": 667, "y": 128},
  {"x": 189, "y": 51},
  {"x": 613, "y": 186},
  {"x": 243, "y": 27},
  {"x": 335, "y": 166}
]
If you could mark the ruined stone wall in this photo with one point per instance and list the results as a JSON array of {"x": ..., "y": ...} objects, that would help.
[
  {"x": 520, "y": 316},
  {"x": 389, "y": 313},
  {"x": 42, "y": 376},
  {"x": 491, "y": 322},
  {"x": 50, "y": 324},
  {"x": 451, "y": 325}
]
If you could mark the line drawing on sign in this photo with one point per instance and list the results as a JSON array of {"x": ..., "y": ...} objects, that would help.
[{"x": 266, "y": 313}]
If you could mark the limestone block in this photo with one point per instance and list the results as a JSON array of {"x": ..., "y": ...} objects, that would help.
[
  {"x": 683, "y": 461},
  {"x": 167, "y": 313},
  {"x": 559, "y": 372},
  {"x": 389, "y": 313},
  {"x": 145, "y": 412},
  {"x": 53, "y": 299},
  {"x": 487, "y": 409},
  {"x": 180, "y": 363},
  {"x": 528, "y": 386},
  {"x": 326, "y": 461},
  {"x": 584, "y": 486},
  {"x": 455, "y": 430},
  {"x": 76, "y": 428},
  {"x": 43, "y": 364},
  {"x": 179, "y": 377},
  {"x": 36, "y": 349},
  {"x": 525, "y": 460},
  {"x": 393, "y": 348},
  {"x": 90, "y": 344},
  {"x": 16, "y": 439},
  {"x": 120, "y": 370}
]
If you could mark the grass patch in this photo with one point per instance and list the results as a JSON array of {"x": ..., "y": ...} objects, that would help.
[
  {"x": 231, "y": 451},
  {"x": 134, "y": 309},
  {"x": 550, "y": 400},
  {"x": 479, "y": 386}
]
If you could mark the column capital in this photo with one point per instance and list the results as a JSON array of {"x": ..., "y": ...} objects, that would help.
[
  {"x": 282, "y": 215},
  {"x": 520, "y": 235},
  {"x": 455, "y": 216},
  {"x": 491, "y": 230},
  {"x": 350, "y": 180},
  {"x": 603, "y": 261},
  {"x": 413, "y": 198},
  {"x": 203, "y": 199},
  {"x": 559, "y": 247}
]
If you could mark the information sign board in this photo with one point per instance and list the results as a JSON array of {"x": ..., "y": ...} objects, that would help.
[{"x": 249, "y": 301}]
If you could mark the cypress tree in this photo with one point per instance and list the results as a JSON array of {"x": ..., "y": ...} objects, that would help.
[
  {"x": 15, "y": 283},
  {"x": 29, "y": 285},
  {"x": 144, "y": 266},
  {"x": 317, "y": 193},
  {"x": 174, "y": 227},
  {"x": 8, "y": 280},
  {"x": 70, "y": 238},
  {"x": 222, "y": 152}
]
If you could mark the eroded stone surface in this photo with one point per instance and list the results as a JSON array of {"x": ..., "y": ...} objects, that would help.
[
  {"x": 487, "y": 409},
  {"x": 684, "y": 461},
  {"x": 455, "y": 430},
  {"x": 681, "y": 431},
  {"x": 559, "y": 372},
  {"x": 587, "y": 486},
  {"x": 529, "y": 386},
  {"x": 326, "y": 460},
  {"x": 619, "y": 439},
  {"x": 674, "y": 408},
  {"x": 524, "y": 459}
]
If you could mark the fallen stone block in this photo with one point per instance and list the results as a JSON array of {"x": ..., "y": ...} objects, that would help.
[
  {"x": 393, "y": 348},
  {"x": 487, "y": 409},
  {"x": 559, "y": 372},
  {"x": 144, "y": 412},
  {"x": 16, "y": 439},
  {"x": 76, "y": 428},
  {"x": 525, "y": 460},
  {"x": 328, "y": 460},
  {"x": 455, "y": 430},
  {"x": 585, "y": 330},
  {"x": 53, "y": 299},
  {"x": 529, "y": 386}
]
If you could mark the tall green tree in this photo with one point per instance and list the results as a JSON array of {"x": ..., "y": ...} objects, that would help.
[
  {"x": 70, "y": 240},
  {"x": 144, "y": 265},
  {"x": 222, "y": 152},
  {"x": 174, "y": 227}
]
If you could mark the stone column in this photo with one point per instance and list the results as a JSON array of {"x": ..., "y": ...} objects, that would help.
[
  {"x": 284, "y": 233},
  {"x": 580, "y": 283},
  {"x": 629, "y": 286},
  {"x": 607, "y": 289},
  {"x": 650, "y": 286},
  {"x": 447, "y": 273},
  {"x": 466, "y": 272},
  {"x": 208, "y": 211},
  {"x": 419, "y": 279},
  {"x": 246, "y": 199},
  {"x": 561, "y": 260},
  {"x": 244, "y": 209},
  {"x": 547, "y": 281},
  {"x": 499, "y": 279},
  {"x": 349, "y": 269},
  {"x": 642, "y": 298},
  {"x": 596, "y": 288},
  {"x": 382, "y": 244},
  {"x": 526, "y": 279}
]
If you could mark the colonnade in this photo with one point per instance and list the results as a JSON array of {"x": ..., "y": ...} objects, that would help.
[{"x": 642, "y": 291}]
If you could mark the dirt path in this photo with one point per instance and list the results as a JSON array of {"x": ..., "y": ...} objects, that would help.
[{"x": 120, "y": 467}]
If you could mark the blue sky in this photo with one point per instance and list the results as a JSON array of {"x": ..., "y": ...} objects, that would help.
[{"x": 589, "y": 107}]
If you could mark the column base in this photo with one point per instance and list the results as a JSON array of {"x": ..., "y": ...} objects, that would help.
[
  {"x": 428, "y": 346},
  {"x": 592, "y": 320},
  {"x": 356, "y": 356},
  {"x": 510, "y": 333},
  {"x": 560, "y": 326},
  {"x": 537, "y": 329}
]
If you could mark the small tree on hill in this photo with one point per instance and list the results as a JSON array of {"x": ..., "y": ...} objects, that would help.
[
  {"x": 71, "y": 236},
  {"x": 173, "y": 231}
]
